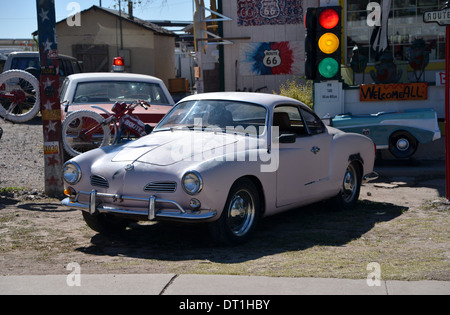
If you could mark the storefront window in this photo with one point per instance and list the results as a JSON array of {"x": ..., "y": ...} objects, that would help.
[{"x": 405, "y": 25}]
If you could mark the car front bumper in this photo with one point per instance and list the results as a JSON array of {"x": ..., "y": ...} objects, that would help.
[{"x": 152, "y": 211}]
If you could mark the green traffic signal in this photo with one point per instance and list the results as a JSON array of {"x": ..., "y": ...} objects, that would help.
[{"x": 328, "y": 68}]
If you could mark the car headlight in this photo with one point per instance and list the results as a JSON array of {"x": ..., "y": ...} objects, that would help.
[
  {"x": 192, "y": 182},
  {"x": 72, "y": 173}
]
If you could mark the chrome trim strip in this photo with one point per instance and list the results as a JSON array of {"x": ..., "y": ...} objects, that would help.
[{"x": 370, "y": 176}]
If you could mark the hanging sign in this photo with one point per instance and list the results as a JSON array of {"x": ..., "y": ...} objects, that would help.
[{"x": 441, "y": 17}]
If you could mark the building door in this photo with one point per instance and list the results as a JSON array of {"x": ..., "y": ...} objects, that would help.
[{"x": 95, "y": 58}]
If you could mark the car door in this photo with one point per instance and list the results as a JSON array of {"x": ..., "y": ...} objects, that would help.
[{"x": 304, "y": 156}]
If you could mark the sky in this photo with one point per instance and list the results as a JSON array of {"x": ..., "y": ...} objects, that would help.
[{"x": 18, "y": 17}]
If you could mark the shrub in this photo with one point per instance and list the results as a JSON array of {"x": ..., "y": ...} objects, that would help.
[{"x": 302, "y": 91}]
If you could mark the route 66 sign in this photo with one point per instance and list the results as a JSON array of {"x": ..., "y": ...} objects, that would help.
[
  {"x": 441, "y": 17},
  {"x": 270, "y": 9},
  {"x": 247, "y": 9},
  {"x": 272, "y": 58}
]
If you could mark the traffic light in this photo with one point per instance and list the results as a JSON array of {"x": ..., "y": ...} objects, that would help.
[
  {"x": 323, "y": 43},
  {"x": 328, "y": 49}
]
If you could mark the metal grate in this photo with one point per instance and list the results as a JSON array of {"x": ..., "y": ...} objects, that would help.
[
  {"x": 167, "y": 187},
  {"x": 99, "y": 181}
]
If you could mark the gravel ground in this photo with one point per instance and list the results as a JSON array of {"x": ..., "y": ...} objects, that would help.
[{"x": 22, "y": 156}]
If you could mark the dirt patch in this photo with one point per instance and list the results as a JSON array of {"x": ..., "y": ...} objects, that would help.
[{"x": 402, "y": 226}]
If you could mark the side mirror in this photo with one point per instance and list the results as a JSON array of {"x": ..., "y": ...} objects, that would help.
[
  {"x": 148, "y": 129},
  {"x": 286, "y": 138}
]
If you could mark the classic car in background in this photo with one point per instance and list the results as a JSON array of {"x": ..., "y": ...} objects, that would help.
[
  {"x": 81, "y": 91},
  {"x": 400, "y": 132},
  {"x": 222, "y": 158}
]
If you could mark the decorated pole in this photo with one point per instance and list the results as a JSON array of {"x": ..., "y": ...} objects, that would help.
[{"x": 50, "y": 103}]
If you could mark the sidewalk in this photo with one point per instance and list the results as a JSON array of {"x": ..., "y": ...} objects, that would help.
[{"x": 203, "y": 285}]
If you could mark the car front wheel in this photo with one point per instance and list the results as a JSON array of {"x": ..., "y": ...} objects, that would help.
[
  {"x": 239, "y": 216},
  {"x": 105, "y": 223}
]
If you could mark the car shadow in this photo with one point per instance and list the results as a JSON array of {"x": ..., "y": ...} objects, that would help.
[
  {"x": 298, "y": 229},
  {"x": 6, "y": 200},
  {"x": 44, "y": 207}
]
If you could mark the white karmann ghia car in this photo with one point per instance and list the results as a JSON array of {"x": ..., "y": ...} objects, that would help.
[{"x": 222, "y": 158}]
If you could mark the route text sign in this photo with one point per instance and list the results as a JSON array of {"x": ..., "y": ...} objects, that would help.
[{"x": 441, "y": 17}]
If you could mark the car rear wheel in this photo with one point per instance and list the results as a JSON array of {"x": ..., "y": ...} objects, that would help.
[
  {"x": 402, "y": 144},
  {"x": 351, "y": 186},
  {"x": 239, "y": 216}
]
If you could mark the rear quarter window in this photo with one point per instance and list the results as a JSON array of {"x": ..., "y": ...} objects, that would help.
[{"x": 23, "y": 63}]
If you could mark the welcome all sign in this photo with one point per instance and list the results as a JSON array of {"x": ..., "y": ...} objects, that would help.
[{"x": 393, "y": 92}]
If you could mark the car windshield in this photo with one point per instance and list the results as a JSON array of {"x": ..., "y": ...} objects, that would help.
[
  {"x": 229, "y": 116},
  {"x": 119, "y": 91}
]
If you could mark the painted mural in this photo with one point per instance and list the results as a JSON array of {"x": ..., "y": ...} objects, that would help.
[
  {"x": 271, "y": 58},
  {"x": 269, "y": 12}
]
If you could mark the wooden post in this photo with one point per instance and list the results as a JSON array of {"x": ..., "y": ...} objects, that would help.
[{"x": 50, "y": 103}]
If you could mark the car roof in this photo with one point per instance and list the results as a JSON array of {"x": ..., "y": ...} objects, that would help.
[
  {"x": 265, "y": 99},
  {"x": 112, "y": 76},
  {"x": 34, "y": 54}
]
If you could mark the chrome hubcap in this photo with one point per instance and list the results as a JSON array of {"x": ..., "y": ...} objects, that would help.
[
  {"x": 350, "y": 184},
  {"x": 402, "y": 144},
  {"x": 241, "y": 213}
]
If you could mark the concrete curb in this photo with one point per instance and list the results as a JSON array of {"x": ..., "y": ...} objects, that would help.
[{"x": 203, "y": 285}]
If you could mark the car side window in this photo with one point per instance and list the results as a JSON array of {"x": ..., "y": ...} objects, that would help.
[
  {"x": 68, "y": 66},
  {"x": 289, "y": 121},
  {"x": 314, "y": 124}
]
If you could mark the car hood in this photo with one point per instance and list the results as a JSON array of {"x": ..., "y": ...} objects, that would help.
[{"x": 169, "y": 147}]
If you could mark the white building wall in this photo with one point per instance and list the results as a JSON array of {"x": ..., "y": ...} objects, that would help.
[{"x": 234, "y": 80}]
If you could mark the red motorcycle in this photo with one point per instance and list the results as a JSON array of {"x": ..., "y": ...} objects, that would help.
[{"x": 85, "y": 130}]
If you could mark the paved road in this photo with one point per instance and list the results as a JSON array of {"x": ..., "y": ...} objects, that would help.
[{"x": 199, "y": 285}]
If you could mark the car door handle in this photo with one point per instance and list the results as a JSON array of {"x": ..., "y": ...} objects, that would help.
[{"x": 315, "y": 150}]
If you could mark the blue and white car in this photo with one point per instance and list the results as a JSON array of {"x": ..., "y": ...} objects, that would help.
[{"x": 400, "y": 132}]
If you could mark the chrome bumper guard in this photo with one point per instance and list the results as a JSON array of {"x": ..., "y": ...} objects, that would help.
[{"x": 151, "y": 212}]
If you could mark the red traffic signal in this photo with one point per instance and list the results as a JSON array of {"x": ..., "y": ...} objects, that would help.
[{"x": 329, "y": 18}]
